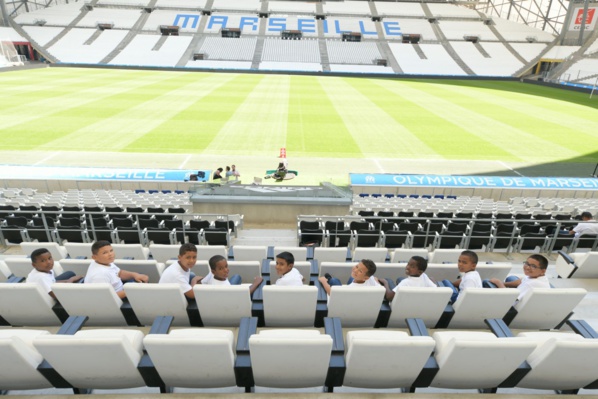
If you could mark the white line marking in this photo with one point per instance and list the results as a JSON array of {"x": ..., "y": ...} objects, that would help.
[
  {"x": 181, "y": 166},
  {"x": 380, "y": 168},
  {"x": 52, "y": 155},
  {"x": 508, "y": 167}
]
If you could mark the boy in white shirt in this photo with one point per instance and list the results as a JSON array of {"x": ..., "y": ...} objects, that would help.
[
  {"x": 219, "y": 274},
  {"x": 416, "y": 277},
  {"x": 362, "y": 275},
  {"x": 103, "y": 269},
  {"x": 534, "y": 269},
  {"x": 180, "y": 272},
  {"x": 43, "y": 273},
  {"x": 287, "y": 274},
  {"x": 470, "y": 278}
]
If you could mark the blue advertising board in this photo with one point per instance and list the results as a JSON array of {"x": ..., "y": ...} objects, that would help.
[
  {"x": 558, "y": 183},
  {"x": 119, "y": 174}
]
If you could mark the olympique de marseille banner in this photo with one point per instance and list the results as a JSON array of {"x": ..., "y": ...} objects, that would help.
[
  {"x": 559, "y": 183},
  {"x": 64, "y": 173}
]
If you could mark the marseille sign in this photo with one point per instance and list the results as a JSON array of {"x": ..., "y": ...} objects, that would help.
[
  {"x": 559, "y": 183},
  {"x": 279, "y": 24},
  {"x": 120, "y": 174}
]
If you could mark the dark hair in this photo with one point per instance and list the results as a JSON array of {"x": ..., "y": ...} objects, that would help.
[
  {"x": 227, "y": 168},
  {"x": 421, "y": 263},
  {"x": 370, "y": 265},
  {"x": 471, "y": 255},
  {"x": 586, "y": 215},
  {"x": 187, "y": 247},
  {"x": 541, "y": 260},
  {"x": 95, "y": 247},
  {"x": 220, "y": 169},
  {"x": 287, "y": 256},
  {"x": 214, "y": 260},
  {"x": 37, "y": 253}
]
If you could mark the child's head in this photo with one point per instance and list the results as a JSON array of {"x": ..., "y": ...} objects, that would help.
[
  {"x": 535, "y": 266},
  {"x": 363, "y": 270},
  {"x": 416, "y": 266},
  {"x": 187, "y": 256},
  {"x": 219, "y": 267},
  {"x": 228, "y": 168},
  {"x": 284, "y": 263},
  {"x": 468, "y": 261},
  {"x": 41, "y": 260},
  {"x": 102, "y": 252},
  {"x": 586, "y": 216}
]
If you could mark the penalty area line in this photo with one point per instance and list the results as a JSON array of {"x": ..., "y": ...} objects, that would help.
[
  {"x": 52, "y": 155},
  {"x": 508, "y": 167},
  {"x": 181, "y": 166}
]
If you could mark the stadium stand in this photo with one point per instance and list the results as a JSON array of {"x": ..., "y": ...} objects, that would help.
[{"x": 436, "y": 38}]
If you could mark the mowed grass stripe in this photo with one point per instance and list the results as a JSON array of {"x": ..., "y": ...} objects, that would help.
[
  {"x": 442, "y": 136},
  {"x": 121, "y": 129},
  {"x": 546, "y": 122},
  {"x": 376, "y": 133},
  {"x": 193, "y": 128},
  {"x": 258, "y": 126},
  {"x": 474, "y": 116},
  {"x": 55, "y": 116},
  {"x": 65, "y": 83},
  {"x": 313, "y": 127}
]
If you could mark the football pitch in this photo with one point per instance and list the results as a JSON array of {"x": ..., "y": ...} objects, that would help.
[{"x": 329, "y": 126}]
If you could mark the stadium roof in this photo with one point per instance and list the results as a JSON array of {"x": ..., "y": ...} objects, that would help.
[{"x": 547, "y": 15}]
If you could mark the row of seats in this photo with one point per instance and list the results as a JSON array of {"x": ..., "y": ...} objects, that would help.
[
  {"x": 27, "y": 304},
  {"x": 207, "y": 358},
  {"x": 517, "y": 235}
]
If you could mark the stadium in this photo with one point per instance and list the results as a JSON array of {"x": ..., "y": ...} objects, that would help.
[{"x": 383, "y": 130}]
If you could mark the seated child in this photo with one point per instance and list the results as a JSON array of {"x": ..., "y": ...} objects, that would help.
[
  {"x": 43, "y": 273},
  {"x": 103, "y": 269},
  {"x": 180, "y": 271},
  {"x": 287, "y": 274},
  {"x": 534, "y": 269},
  {"x": 416, "y": 277},
  {"x": 362, "y": 274},
  {"x": 470, "y": 278},
  {"x": 219, "y": 274}
]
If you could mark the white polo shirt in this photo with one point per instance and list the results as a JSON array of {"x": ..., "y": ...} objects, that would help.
[
  {"x": 293, "y": 277},
  {"x": 370, "y": 282},
  {"x": 211, "y": 280},
  {"x": 44, "y": 279},
  {"x": 104, "y": 274},
  {"x": 175, "y": 274},
  {"x": 527, "y": 284},
  {"x": 421, "y": 281}
]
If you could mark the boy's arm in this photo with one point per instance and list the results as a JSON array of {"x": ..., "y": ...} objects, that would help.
[
  {"x": 457, "y": 283},
  {"x": 121, "y": 294},
  {"x": 324, "y": 281},
  {"x": 512, "y": 284},
  {"x": 498, "y": 283},
  {"x": 390, "y": 294},
  {"x": 256, "y": 283},
  {"x": 138, "y": 277},
  {"x": 73, "y": 279}
]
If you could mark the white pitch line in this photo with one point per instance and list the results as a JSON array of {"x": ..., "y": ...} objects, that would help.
[
  {"x": 181, "y": 166},
  {"x": 508, "y": 167},
  {"x": 52, "y": 155},
  {"x": 378, "y": 165}
]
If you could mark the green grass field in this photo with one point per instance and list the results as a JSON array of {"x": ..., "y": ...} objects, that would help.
[{"x": 330, "y": 126}]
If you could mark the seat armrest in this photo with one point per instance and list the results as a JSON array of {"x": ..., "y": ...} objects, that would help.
[
  {"x": 243, "y": 370},
  {"x": 337, "y": 365},
  {"x": 499, "y": 328},
  {"x": 72, "y": 325},
  {"x": 333, "y": 327},
  {"x": 161, "y": 325},
  {"x": 417, "y": 328},
  {"x": 582, "y": 328},
  {"x": 566, "y": 257},
  {"x": 516, "y": 376}
]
